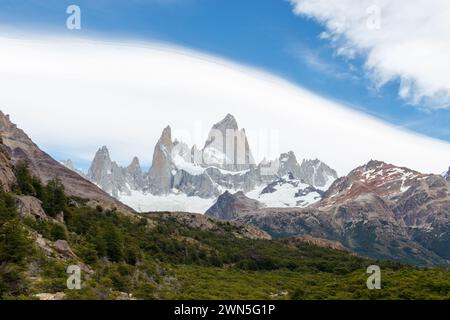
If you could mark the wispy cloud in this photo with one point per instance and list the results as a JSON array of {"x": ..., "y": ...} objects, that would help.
[
  {"x": 314, "y": 59},
  {"x": 400, "y": 40}
]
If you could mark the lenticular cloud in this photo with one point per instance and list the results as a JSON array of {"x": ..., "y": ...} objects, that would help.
[{"x": 73, "y": 96}]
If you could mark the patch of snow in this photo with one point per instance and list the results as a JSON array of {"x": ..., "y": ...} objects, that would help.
[
  {"x": 189, "y": 167},
  {"x": 212, "y": 156},
  {"x": 284, "y": 196},
  {"x": 146, "y": 202},
  {"x": 233, "y": 173},
  {"x": 330, "y": 179}
]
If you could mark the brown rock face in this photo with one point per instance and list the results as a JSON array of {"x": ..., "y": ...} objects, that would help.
[{"x": 22, "y": 148}]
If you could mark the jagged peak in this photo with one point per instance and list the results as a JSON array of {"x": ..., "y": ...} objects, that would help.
[
  {"x": 229, "y": 122},
  {"x": 166, "y": 136},
  {"x": 68, "y": 163},
  {"x": 289, "y": 155},
  {"x": 312, "y": 161},
  {"x": 135, "y": 163},
  {"x": 103, "y": 152}
]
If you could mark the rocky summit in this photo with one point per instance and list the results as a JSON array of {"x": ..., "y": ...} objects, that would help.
[{"x": 227, "y": 147}]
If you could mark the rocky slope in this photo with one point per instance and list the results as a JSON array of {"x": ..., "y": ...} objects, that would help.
[
  {"x": 22, "y": 148},
  {"x": 378, "y": 210}
]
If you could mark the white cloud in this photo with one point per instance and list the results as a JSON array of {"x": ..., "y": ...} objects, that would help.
[
  {"x": 401, "y": 40},
  {"x": 73, "y": 96}
]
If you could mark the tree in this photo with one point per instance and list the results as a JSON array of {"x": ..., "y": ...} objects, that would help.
[
  {"x": 14, "y": 245},
  {"x": 54, "y": 199},
  {"x": 114, "y": 244},
  {"x": 27, "y": 184}
]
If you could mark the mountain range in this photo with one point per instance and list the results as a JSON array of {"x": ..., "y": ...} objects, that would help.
[{"x": 186, "y": 178}]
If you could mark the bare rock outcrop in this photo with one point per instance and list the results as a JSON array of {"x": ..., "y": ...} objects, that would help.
[
  {"x": 229, "y": 206},
  {"x": 29, "y": 206},
  {"x": 51, "y": 296},
  {"x": 319, "y": 242},
  {"x": 63, "y": 249}
]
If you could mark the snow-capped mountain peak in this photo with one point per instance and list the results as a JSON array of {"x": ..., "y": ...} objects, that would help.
[{"x": 197, "y": 177}]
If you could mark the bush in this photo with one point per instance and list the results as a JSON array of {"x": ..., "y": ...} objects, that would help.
[{"x": 58, "y": 232}]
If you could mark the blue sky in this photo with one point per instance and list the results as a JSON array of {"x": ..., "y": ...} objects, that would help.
[{"x": 265, "y": 34}]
